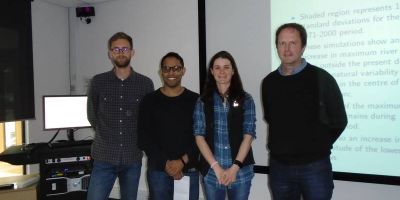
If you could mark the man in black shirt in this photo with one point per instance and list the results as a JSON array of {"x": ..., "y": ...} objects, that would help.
[
  {"x": 304, "y": 109},
  {"x": 166, "y": 132},
  {"x": 113, "y": 103}
]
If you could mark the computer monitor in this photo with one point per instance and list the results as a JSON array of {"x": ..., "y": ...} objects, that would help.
[{"x": 65, "y": 112}]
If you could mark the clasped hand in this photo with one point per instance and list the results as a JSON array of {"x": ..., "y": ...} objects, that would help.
[
  {"x": 174, "y": 168},
  {"x": 226, "y": 176}
]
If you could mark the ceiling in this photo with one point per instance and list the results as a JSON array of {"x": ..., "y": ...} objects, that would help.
[{"x": 74, "y": 3}]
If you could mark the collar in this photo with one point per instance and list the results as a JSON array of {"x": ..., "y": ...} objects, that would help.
[
  {"x": 112, "y": 71},
  {"x": 297, "y": 69}
]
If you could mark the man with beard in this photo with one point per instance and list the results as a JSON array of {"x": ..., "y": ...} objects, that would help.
[
  {"x": 113, "y": 103},
  {"x": 166, "y": 132}
]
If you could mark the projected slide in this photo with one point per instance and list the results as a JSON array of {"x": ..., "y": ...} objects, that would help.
[{"x": 358, "y": 42}]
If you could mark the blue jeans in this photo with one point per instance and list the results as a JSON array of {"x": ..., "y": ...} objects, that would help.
[
  {"x": 103, "y": 177},
  {"x": 236, "y": 191},
  {"x": 161, "y": 185},
  {"x": 313, "y": 181}
]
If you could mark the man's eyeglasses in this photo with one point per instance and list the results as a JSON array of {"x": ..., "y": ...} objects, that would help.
[
  {"x": 120, "y": 50},
  {"x": 166, "y": 69}
]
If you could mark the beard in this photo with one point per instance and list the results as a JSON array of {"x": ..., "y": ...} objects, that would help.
[{"x": 121, "y": 62}]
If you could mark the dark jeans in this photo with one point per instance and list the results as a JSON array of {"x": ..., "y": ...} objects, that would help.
[
  {"x": 103, "y": 177},
  {"x": 161, "y": 185},
  {"x": 313, "y": 181}
]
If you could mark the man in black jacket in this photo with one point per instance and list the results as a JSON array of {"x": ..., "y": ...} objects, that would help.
[{"x": 304, "y": 109}]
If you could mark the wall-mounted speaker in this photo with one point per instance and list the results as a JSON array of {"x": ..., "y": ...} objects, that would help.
[{"x": 87, "y": 11}]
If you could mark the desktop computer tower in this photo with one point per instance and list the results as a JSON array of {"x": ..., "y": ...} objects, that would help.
[{"x": 63, "y": 178}]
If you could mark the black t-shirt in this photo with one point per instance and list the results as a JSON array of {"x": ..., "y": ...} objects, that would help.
[{"x": 166, "y": 128}]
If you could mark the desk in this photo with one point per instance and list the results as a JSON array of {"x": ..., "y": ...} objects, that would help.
[
  {"x": 36, "y": 152},
  {"x": 23, "y": 193},
  {"x": 64, "y": 170},
  {"x": 23, "y": 154},
  {"x": 28, "y": 193}
]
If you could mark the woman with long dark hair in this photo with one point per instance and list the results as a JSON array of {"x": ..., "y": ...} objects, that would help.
[{"x": 224, "y": 126}]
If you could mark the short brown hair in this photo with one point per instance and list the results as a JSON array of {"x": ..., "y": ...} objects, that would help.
[
  {"x": 120, "y": 35},
  {"x": 302, "y": 31}
]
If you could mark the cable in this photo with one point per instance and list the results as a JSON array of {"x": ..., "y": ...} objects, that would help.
[{"x": 51, "y": 140}]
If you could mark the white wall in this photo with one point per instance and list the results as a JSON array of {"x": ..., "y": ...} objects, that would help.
[
  {"x": 68, "y": 52},
  {"x": 157, "y": 27},
  {"x": 241, "y": 28},
  {"x": 61, "y": 40},
  {"x": 50, "y": 62},
  {"x": 235, "y": 26},
  {"x": 50, "y": 59}
]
